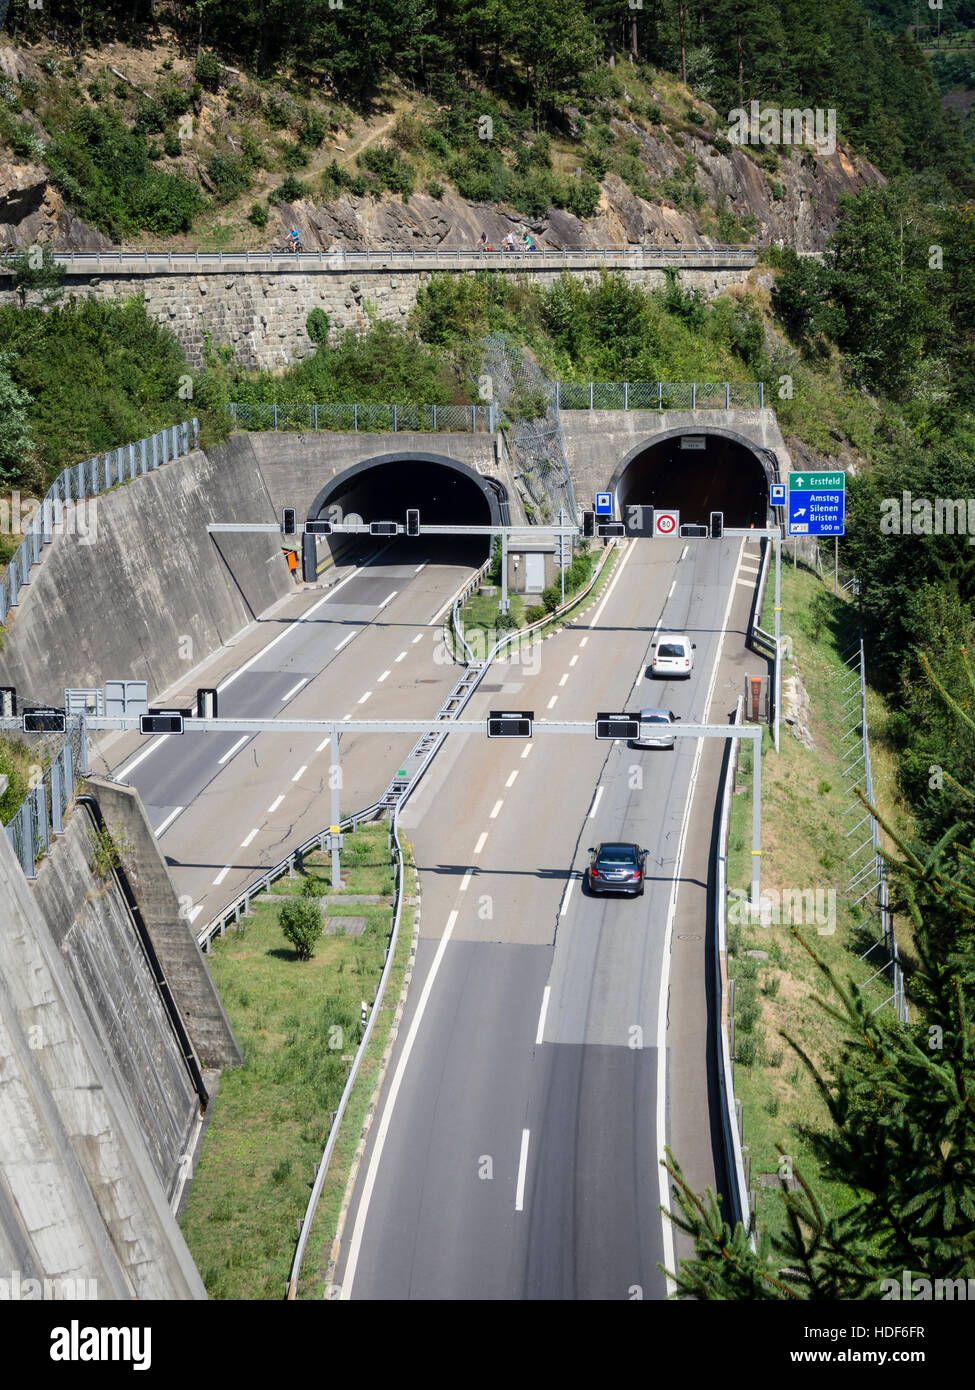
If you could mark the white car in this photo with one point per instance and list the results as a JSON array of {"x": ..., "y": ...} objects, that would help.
[
  {"x": 655, "y": 726},
  {"x": 673, "y": 655}
]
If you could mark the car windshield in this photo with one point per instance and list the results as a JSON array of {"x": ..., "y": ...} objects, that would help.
[
  {"x": 670, "y": 649},
  {"x": 616, "y": 855}
]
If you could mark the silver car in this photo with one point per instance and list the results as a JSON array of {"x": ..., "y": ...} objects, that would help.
[{"x": 655, "y": 729}]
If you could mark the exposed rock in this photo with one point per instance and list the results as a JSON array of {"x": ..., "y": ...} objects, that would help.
[
  {"x": 32, "y": 211},
  {"x": 796, "y": 708}
]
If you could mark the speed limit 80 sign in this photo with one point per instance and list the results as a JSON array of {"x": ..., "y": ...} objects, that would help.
[{"x": 666, "y": 524}]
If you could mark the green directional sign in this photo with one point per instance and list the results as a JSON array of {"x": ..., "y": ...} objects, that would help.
[{"x": 803, "y": 482}]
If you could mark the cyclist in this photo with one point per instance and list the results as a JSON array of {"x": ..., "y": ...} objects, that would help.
[{"x": 295, "y": 239}]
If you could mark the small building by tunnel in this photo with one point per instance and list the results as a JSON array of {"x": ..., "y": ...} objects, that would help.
[{"x": 696, "y": 472}]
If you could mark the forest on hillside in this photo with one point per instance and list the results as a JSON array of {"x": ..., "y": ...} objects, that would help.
[{"x": 548, "y": 56}]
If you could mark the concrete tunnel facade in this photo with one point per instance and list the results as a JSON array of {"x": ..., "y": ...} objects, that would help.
[{"x": 721, "y": 471}]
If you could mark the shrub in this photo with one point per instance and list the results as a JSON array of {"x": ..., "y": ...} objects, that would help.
[
  {"x": 581, "y": 196},
  {"x": 207, "y": 72},
  {"x": 258, "y": 215},
  {"x": 390, "y": 169},
  {"x": 313, "y": 129},
  {"x": 251, "y": 150},
  {"x": 291, "y": 191},
  {"x": 294, "y": 157},
  {"x": 695, "y": 117},
  {"x": 653, "y": 113},
  {"x": 778, "y": 190},
  {"x": 535, "y": 613},
  {"x": 552, "y": 597},
  {"x": 317, "y": 325},
  {"x": 722, "y": 145},
  {"x": 276, "y": 112},
  {"x": 435, "y": 189},
  {"x": 122, "y": 90},
  {"x": 406, "y": 131},
  {"x": 174, "y": 100},
  {"x": 302, "y": 924},
  {"x": 150, "y": 117},
  {"x": 172, "y": 144},
  {"x": 230, "y": 173},
  {"x": 532, "y": 194}
]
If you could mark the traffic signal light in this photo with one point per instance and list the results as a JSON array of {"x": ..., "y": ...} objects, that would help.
[
  {"x": 44, "y": 721},
  {"x": 318, "y": 528},
  {"x": 383, "y": 528},
  {"x": 717, "y": 525},
  {"x": 611, "y": 528},
  {"x": 161, "y": 722},
  {"x": 588, "y": 524},
  {"x": 412, "y": 521},
  {"x": 510, "y": 723},
  {"x": 289, "y": 521}
]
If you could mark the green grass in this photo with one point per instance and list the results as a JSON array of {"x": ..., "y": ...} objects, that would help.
[
  {"x": 270, "y": 1118},
  {"x": 804, "y": 846}
]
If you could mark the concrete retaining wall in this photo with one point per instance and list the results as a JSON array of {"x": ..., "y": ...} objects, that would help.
[
  {"x": 80, "y": 1197},
  {"x": 147, "y": 594}
]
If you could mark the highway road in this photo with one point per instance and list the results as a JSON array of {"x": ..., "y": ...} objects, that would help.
[
  {"x": 225, "y": 808},
  {"x": 515, "y": 1153}
]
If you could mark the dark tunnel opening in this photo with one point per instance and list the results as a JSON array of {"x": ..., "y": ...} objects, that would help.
[
  {"x": 444, "y": 494},
  {"x": 697, "y": 474}
]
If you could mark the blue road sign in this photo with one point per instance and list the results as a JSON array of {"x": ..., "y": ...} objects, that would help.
[
  {"x": 817, "y": 511},
  {"x": 604, "y": 504},
  {"x": 778, "y": 495}
]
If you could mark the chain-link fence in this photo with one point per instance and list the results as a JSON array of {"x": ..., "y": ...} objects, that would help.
[
  {"x": 528, "y": 400},
  {"x": 42, "y": 814},
  {"x": 660, "y": 395},
  {"x": 59, "y": 512},
  {"x": 365, "y": 418}
]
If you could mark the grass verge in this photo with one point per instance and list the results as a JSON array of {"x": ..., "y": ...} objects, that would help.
[
  {"x": 806, "y": 816},
  {"x": 298, "y": 1024}
]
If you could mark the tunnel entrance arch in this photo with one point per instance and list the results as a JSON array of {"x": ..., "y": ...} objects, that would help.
[
  {"x": 445, "y": 490},
  {"x": 724, "y": 472}
]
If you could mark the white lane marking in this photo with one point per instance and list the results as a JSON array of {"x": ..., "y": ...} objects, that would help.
[
  {"x": 551, "y": 702},
  {"x": 497, "y": 808},
  {"x": 522, "y": 1171},
  {"x": 247, "y": 838},
  {"x": 574, "y": 659},
  {"x": 123, "y": 772},
  {"x": 388, "y": 599},
  {"x": 294, "y": 690},
  {"x": 421, "y": 567},
  {"x": 274, "y": 805},
  {"x": 417, "y": 638},
  {"x": 222, "y": 874},
  {"x": 384, "y": 1123},
  {"x": 168, "y": 821},
  {"x": 364, "y": 698},
  {"x": 663, "y": 1177},
  {"x": 595, "y": 802},
  {"x": 745, "y": 583},
  {"x": 382, "y": 678},
  {"x": 401, "y": 655},
  {"x": 344, "y": 640},
  {"x": 303, "y": 768},
  {"x": 565, "y": 897},
  {"x": 345, "y": 717},
  {"x": 683, "y": 553},
  {"x": 526, "y": 750},
  {"x": 511, "y": 780},
  {"x": 323, "y": 745},
  {"x": 231, "y": 751},
  {"x": 564, "y": 679},
  {"x": 583, "y": 641},
  {"x": 747, "y": 569},
  {"x": 303, "y": 619},
  {"x": 193, "y": 913},
  {"x": 541, "y": 1017},
  {"x": 465, "y": 881},
  {"x": 482, "y": 839},
  {"x": 670, "y": 591},
  {"x": 612, "y": 585}
]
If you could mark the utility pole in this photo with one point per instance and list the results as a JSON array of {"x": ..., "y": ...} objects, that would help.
[
  {"x": 776, "y": 693},
  {"x": 334, "y": 833}
]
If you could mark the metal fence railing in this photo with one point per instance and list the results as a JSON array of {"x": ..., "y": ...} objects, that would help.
[
  {"x": 366, "y": 418},
  {"x": 58, "y": 511},
  {"x": 41, "y": 815},
  {"x": 868, "y": 876},
  {"x": 660, "y": 395}
]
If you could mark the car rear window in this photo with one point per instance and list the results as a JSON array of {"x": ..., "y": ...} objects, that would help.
[
  {"x": 656, "y": 719},
  {"x": 671, "y": 649},
  {"x": 618, "y": 854}
]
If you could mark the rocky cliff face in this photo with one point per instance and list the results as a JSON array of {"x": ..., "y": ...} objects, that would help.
[{"x": 32, "y": 210}]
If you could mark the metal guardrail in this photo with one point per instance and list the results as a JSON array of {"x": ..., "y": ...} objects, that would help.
[
  {"x": 197, "y": 262},
  {"x": 660, "y": 395},
  {"x": 731, "y": 1115},
  {"x": 872, "y": 871},
  {"x": 41, "y": 815},
  {"x": 80, "y": 482},
  {"x": 365, "y": 417}
]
